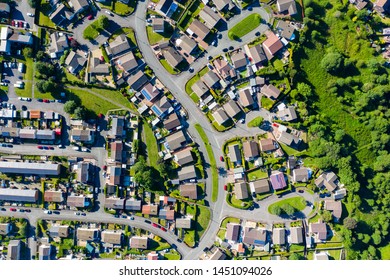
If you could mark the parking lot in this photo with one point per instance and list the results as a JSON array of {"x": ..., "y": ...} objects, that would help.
[
  {"x": 19, "y": 13},
  {"x": 12, "y": 76}
]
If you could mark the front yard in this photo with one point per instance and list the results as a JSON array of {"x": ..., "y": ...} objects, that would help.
[{"x": 257, "y": 174}]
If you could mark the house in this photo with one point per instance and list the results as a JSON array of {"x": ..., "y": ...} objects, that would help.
[
  {"x": 59, "y": 231},
  {"x": 116, "y": 151},
  {"x": 18, "y": 195},
  {"x": 217, "y": 254},
  {"x": 321, "y": 256},
  {"x": 239, "y": 60},
  {"x": 296, "y": 235},
  {"x": 133, "y": 204},
  {"x": 254, "y": 236},
  {"x": 285, "y": 30},
  {"x": 184, "y": 156},
  {"x": 231, "y": 108},
  {"x": 287, "y": 6},
  {"x": 251, "y": 150},
  {"x": 279, "y": 236},
  {"x": 87, "y": 234},
  {"x": 58, "y": 44},
  {"x": 25, "y": 133},
  {"x": 187, "y": 45},
  {"x": 335, "y": 207},
  {"x": 14, "y": 250},
  {"x": 255, "y": 54},
  {"x": 139, "y": 242},
  {"x": 98, "y": 67},
  {"x": 270, "y": 91},
  {"x": 187, "y": 173},
  {"x": 301, "y": 175},
  {"x": 327, "y": 179},
  {"x": 198, "y": 30},
  {"x": 183, "y": 223},
  {"x": 340, "y": 194},
  {"x": 382, "y": 6},
  {"x": 241, "y": 190},
  {"x": 200, "y": 89},
  {"x": 287, "y": 114},
  {"x": 113, "y": 202},
  {"x": 127, "y": 62},
  {"x": 115, "y": 175},
  {"x": 319, "y": 231},
  {"x": 167, "y": 7},
  {"x": 166, "y": 200},
  {"x": 235, "y": 154},
  {"x": 61, "y": 16},
  {"x": 224, "y": 69},
  {"x": 210, "y": 18},
  {"x": 162, "y": 107},
  {"x": 259, "y": 186},
  {"x": 153, "y": 256},
  {"x": 278, "y": 181},
  {"x": 79, "y": 6},
  {"x": 5, "y": 228},
  {"x": 360, "y": 4},
  {"x": 172, "y": 122},
  {"x": 210, "y": 79},
  {"x": 117, "y": 127},
  {"x": 223, "y": 4},
  {"x": 289, "y": 139},
  {"x": 176, "y": 140},
  {"x": 137, "y": 81},
  {"x": 272, "y": 45},
  {"x": 267, "y": 145},
  {"x": 54, "y": 196},
  {"x": 29, "y": 168},
  {"x": 118, "y": 47},
  {"x": 82, "y": 172},
  {"x": 4, "y": 10},
  {"x": 86, "y": 136},
  {"x": 77, "y": 201},
  {"x": 150, "y": 209},
  {"x": 112, "y": 238},
  {"x": 44, "y": 252},
  {"x": 158, "y": 25},
  {"x": 220, "y": 116},
  {"x": 172, "y": 57},
  {"x": 246, "y": 98},
  {"x": 232, "y": 232},
  {"x": 150, "y": 93},
  {"x": 291, "y": 162},
  {"x": 167, "y": 213},
  {"x": 75, "y": 62},
  {"x": 45, "y": 134},
  {"x": 189, "y": 190}
]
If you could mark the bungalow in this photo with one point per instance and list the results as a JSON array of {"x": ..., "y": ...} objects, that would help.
[
  {"x": 189, "y": 190},
  {"x": 287, "y": 114},
  {"x": 150, "y": 92},
  {"x": 150, "y": 209},
  {"x": 114, "y": 202},
  {"x": 217, "y": 254},
  {"x": 321, "y": 256},
  {"x": 176, "y": 140},
  {"x": 251, "y": 150},
  {"x": 172, "y": 57},
  {"x": 133, "y": 204},
  {"x": 75, "y": 62},
  {"x": 116, "y": 151},
  {"x": 220, "y": 116},
  {"x": 289, "y": 139},
  {"x": 137, "y": 81},
  {"x": 279, "y": 236},
  {"x": 98, "y": 67},
  {"x": 77, "y": 201},
  {"x": 327, "y": 179},
  {"x": 61, "y": 16},
  {"x": 301, "y": 175},
  {"x": 235, "y": 154},
  {"x": 259, "y": 186},
  {"x": 382, "y": 6},
  {"x": 254, "y": 236},
  {"x": 172, "y": 122},
  {"x": 58, "y": 44},
  {"x": 255, "y": 54},
  {"x": 272, "y": 45},
  {"x": 82, "y": 172},
  {"x": 270, "y": 91},
  {"x": 241, "y": 190},
  {"x": 231, "y": 108},
  {"x": 45, "y": 134},
  {"x": 200, "y": 89},
  {"x": 335, "y": 207},
  {"x": 82, "y": 135},
  {"x": 246, "y": 98},
  {"x": 278, "y": 181},
  {"x": 267, "y": 145},
  {"x": 319, "y": 231},
  {"x": 14, "y": 249},
  {"x": 158, "y": 25},
  {"x": 224, "y": 4},
  {"x": 115, "y": 175},
  {"x": 239, "y": 61},
  {"x": 162, "y": 107},
  {"x": 287, "y": 6},
  {"x": 198, "y": 30},
  {"x": 291, "y": 162},
  {"x": 59, "y": 231},
  {"x": 79, "y": 6},
  {"x": 139, "y": 242},
  {"x": 187, "y": 45},
  {"x": 184, "y": 156},
  {"x": 187, "y": 173},
  {"x": 232, "y": 232},
  {"x": 54, "y": 196},
  {"x": 285, "y": 30},
  {"x": 210, "y": 18},
  {"x": 127, "y": 62},
  {"x": 224, "y": 69},
  {"x": 5, "y": 228},
  {"x": 183, "y": 223},
  {"x": 296, "y": 235},
  {"x": 167, "y": 213},
  {"x": 210, "y": 79},
  {"x": 87, "y": 234},
  {"x": 26, "y": 133},
  {"x": 118, "y": 47},
  {"x": 112, "y": 238},
  {"x": 117, "y": 127}
]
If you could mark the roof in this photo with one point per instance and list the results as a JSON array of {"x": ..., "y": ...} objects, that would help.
[
  {"x": 127, "y": 62},
  {"x": 287, "y": 114},
  {"x": 119, "y": 46},
  {"x": 210, "y": 79},
  {"x": 279, "y": 236},
  {"x": 79, "y": 4},
  {"x": 167, "y": 213},
  {"x": 114, "y": 202},
  {"x": 267, "y": 145},
  {"x": 137, "y": 80},
  {"x": 217, "y": 255},
  {"x": 239, "y": 60},
  {"x": 161, "y": 106},
  {"x": 296, "y": 234},
  {"x": 254, "y": 236},
  {"x": 75, "y": 62},
  {"x": 187, "y": 172},
  {"x": 26, "y": 133},
  {"x": 223, "y": 68},
  {"x": 150, "y": 209},
  {"x": 87, "y": 234},
  {"x": 335, "y": 207},
  {"x": 35, "y": 114},
  {"x": 81, "y": 135},
  {"x": 199, "y": 29},
  {"x": 116, "y": 151},
  {"x": 35, "y": 168},
  {"x": 184, "y": 156},
  {"x": 301, "y": 174},
  {"x": 246, "y": 98},
  {"x": 270, "y": 91},
  {"x": 133, "y": 205},
  {"x": 117, "y": 124},
  {"x": 176, "y": 140},
  {"x": 61, "y": 14},
  {"x": 59, "y": 230},
  {"x": 112, "y": 237},
  {"x": 189, "y": 190},
  {"x": 187, "y": 44},
  {"x": 260, "y": 186},
  {"x": 321, "y": 256},
  {"x": 53, "y": 196},
  {"x": 319, "y": 229},
  {"x": 14, "y": 248},
  {"x": 285, "y": 29},
  {"x": 172, "y": 121},
  {"x": 172, "y": 57},
  {"x": 115, "y": 175},
  {"x": 235, "y": 153},
  {"x": 210, "y": 17},
  {"x": 200, "y": 88},
  {"x": 231, "y": 108},
  {"x": 45, "y": 134},
  {"x": 158, "y": 24},
  {"x": 278, "y": 181},
  {"x": 232, "y": 231},
  {"x": 327, "y": 179},
  {"x": 272, "y": 44},
  {"x": 220, "y": 116},
  {"x": 58, "y": 43},
  {"x": 251, "y": 149},
  {"x": 76, "y": 201},
  {"x": 256, "y": 54},
  {"x": 241, "y": 190},
  {"x": 5, "y": 228},
  {"x": 221, "y": 4},
  {"x": 150, "y": 92},
  {"x": 4, "y": 7},
  {"x": 287, "y": 5},
  {"x": 183, "y": 223},
  {"x": 288, "y": 139}
]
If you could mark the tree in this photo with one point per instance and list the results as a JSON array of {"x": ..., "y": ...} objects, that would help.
[
  {"x": 28, "y": 52},
  {"x": 277, "y": 210},
  {"x": 102, "y": 22},
  {"x": 332, "y": 62},
  {"x": 305, "y": 90},
  {"x": 350, "y": 223},
  {"x": 41, "y": 55},
  {"x": 376, "y": 238},
  {"x": 46, "y": 86},
  {"x": 339, "y": 135},
  {"x": 327, "y": 216},
  {"x": 79, "y": 113},
  {"x": 295, "y": 257},
  {"x": 70, "y": 106},
  {"x": 288, "y": 209}
]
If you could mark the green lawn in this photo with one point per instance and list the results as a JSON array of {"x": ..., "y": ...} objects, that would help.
[
  {"x": 203, "y": 219},
  {"x": 90, "y": 32},
  {"x": 129, "y": 32},
  {"x": 28, "y": 78},
  {"x": 238, "y": 203},
  {"x": 172, "y": 257},
  {"x": 221, "y": 234},
  {"x": 168, "y": 67},
  {"x": 297, "y": 202},
  {"x": 266, "y": 103},
  {"x": 257, "y": 174},
  {"x": 229, "y": 220},
  {"x": 213, "y": 163},
  {"x": 44, "y": 19},
  {"x": 244, "y": 27},
  {"x": 155, "y": 37},
  {"x": 124, "y": 9},
  {"x": 385, "y": 252},
  {"x": 193, "y": 80},
  {"x": 256, "y": 122},
  {"x": 288, "y": 150},
  {"x": 151, "y": 144}
]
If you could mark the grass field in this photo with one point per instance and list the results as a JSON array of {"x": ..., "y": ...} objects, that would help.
[
  {"x": 28, "y": 78},
  {"x": 151, "y": 144},
  {"x": 297, "y": 202},
  {"x": 203, "y": 219},
  {"x": 172, "y": 257},
  {"x": 155, "y": 37},
  {"x": 90, "y": 32},
  {"x": 44, "y": 11},
  {"x": 213, "y": 163},
  {"x": 256, "y": 122},
  {"x": 244, "y": 27},
  {"x": 124, "y": 9}
]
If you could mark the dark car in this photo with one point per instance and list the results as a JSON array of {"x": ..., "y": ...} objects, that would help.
[
  {"x": 210, "y": 57},
  {"x": 257, "y": 33},
  {"x": 124, "y": 216},
  {"x": 51, "y": 148},
  {"x": 4, "y": 145},
  {"x": 10, "y": 146},
  {"x": 231, "y": 48},
  {"x": 163, "y": 229},
  {"x": 57, "y": 212},
  {"x": 179, "y": 240},
  {"x": 116, "y": 216},
  {"x": 155, "y": 225},
  {"x": 27, "y": 210},
  {"x": 3, "y": 209},
  {"x": 40, "y": 100},
  {"x": 148, "y": 222},
  {"x": 24, "y": 108},
  {"x": 221, "y": 158},
  {"x": 225, "y": 50},
  {"x": 21, "y": 210},
  {"x": 13, "y": 209},
  {"x": 300, "y": 191},
  {"x": 83, "y": 214},
  {"x": 45, "y": 147}
]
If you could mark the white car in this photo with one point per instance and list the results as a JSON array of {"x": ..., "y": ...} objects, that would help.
[
  {"x": 30, "y": 14},
  {"x": 108, "y": 12},
  {"x": 76, "y": 148}
]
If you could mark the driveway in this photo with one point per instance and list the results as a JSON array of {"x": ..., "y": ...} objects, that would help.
[{"x": 19, "y": 12}]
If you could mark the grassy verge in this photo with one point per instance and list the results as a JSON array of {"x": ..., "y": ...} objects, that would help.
[
  {"x": 244, "y": 27},
  {"x": 213, "y": 163},
  {"x": 229, "y": 220},
  {"x": 124, "y": 9},
  {"x": 155, "y": 37},
  {"x": 297, "y": 202},
  {"x": 28, "y": 77},
  {"x": 168, "y": 67},
  {"x": 151, "y": 144},
  {"x": 44, "y": 11},
  {"x": 256, "y": 122},
  {"x": 257, "y": 174}
]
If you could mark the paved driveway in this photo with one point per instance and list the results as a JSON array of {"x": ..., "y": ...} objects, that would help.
[{"x": 20, "y": 11}]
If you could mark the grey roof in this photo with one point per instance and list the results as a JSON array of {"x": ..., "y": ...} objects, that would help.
[
  {"x": 44, "y": 252},
  {"x": 287, "y": 114},
  {"x": 186, "y": 173},
  {"x": 287, "y": 5},
  {"x": 254, "y": 236},
  {"x": 58, "y": 43},
  {"x": 220, "y": 116},
  {"x": 115, "y": 175},
  {"x": 256, "y": 53},
  {"x": 239, "y": 60},
  {"x": 231, "y": 108},
  {"x": 158, "y": 24},
  {"x": 116, "y": 151},
  {"x": 210, "y": 17},
  {"x": 172, "y": 121},
  {"x": 184, "y": 156},
  {"x": 251, "y": 149},
  {"x": 270, "y": 91},
  {"x": 81, "y": 135},
  {"x": 18, "y": 195},
  {"x": 29, "y": 168},
  {"x": 119, "y": 46},
  {"x": 183, "y": 223},
  {"x": 45, "y": 134},
  {"x": 76, "y": 201},
  {"x": 260, "y": 186},
  {"x": 200, "y": 89},
  {"x": 75, "y": 62},
  {"x": 285, "y": 29},
  {"x": 279, "y": 236},
  {"x": 133, "y": 205},
  {"x": 221, "y": 4},
  {"x": 79, "y": 4},
  {"x": 61, "y": 14},
  {"x": 296, "y": 234},
  {"x": 83, "y": 171},
  {"x": 288, "y": 139},
  {"x": 319, "y": 229},
  {"x": 267, "y": 145},
  {"x": 301, "y": 174},
  {"x": 114, "y": 202},
  {"x": 327, "y": 179},
  {"x": 187, "y": 44},
  {"x": 217, "y": 255},
  {"x": 117, "y": 125},
  {"x": 210, "y": 79},
  {"x": 139, "y": 242},
  {"x": 176, "y": 140},
  {"x": 59, "y": 231},
  {"x": 232, "y": 231},
  {"x": 241, "y": 190},
  {"x": 137, "y": 80},
  {"x": 172, "y": 57},
  {"x": 112, "y": 237},
  {"x": 199, "y": 29},
  {"x": 4, "y": 7},
  {"x": 87, "y": 234},
  {"x": 98, "y": 67},
  {"x": 235, "y": 153},
  {"x": 14, "y": 250},
  {"x": 127, "y": 62},
  {"x": 246, "y": 98},
  {"x": 335, "y": 207}
]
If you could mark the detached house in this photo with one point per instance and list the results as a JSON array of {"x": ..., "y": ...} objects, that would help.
[
  {"x": 335, "y": 207},
  {"x": 319, "y": 231},
  {"x": 210, "y": 79},
  {"x": 241, "y": 190},
  {"x": 255, "y": 54},
  {"x": 287, "y": 6},
  {"x": 79, "y": 6},
  {"x": 255, "y": 236},
  {"x": 210, "y": 17},
  {"x": 270, "y": 91},
  {"x": 272, "y": 45},
  {"x": 239, "y": 61},
  {"x": 172, "y": 57},
  {"x": 235, "y": 154},
  {"x": 251, "y": 150},
  {"x": 189, "y": 190},
  {"x": 246, "y": 98},
  {"x": 232, "y": 232},
  {"x": 187, "y": 45},
  {"x": 224, "y": 5},
  {"x": 61, "y": 16},
  {"x": 158, "y": 25},
  {"x": 58, "y": 44},
  {"x": 301, "y": 175},
  {"x": 382, "y": 6},
  {"x": 75, "y": 62},
  {"x": 267, "y": 145},
  {"x": 220, "y": 116},
  {"x": 200, "y": 89},
  {"x": 127, "y": 62},
  {"x": 231, "y": 108},
  {"x": 198, "y": 30},
  {"x": 327, "y": 179},
  {"x": 118, "y": 47},
  {"x": 278, "y": 181}
]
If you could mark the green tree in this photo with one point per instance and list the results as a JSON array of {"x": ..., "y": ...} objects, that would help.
[
  {"x": 70, "y": 106},
  {"x": 41, "y": 55},
  {"x": 332, "y": 62},
  {"x": 305, "y": 90},
  {"x": 288, "y": 209},
  {"x": 350, "y": 223},
  {"x": 339, "y": 135},
  {"x": 376, "y": 238},
  {"x": 277, "y": 210},
  {"x": 28, "y": 52},
  {"x": 327, "y": 216},
  {"x": 79, "y": 113},
  {"x": 102, "y": 22}
]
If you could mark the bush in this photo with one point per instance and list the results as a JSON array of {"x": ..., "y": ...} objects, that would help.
[
  {"x": 70, "y": 106},
  {"x": 332, "y": 62}
]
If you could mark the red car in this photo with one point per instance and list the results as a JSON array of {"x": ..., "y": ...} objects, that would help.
[
  {"x": 20, "y": 24},
  {"x": 155, "y": 225},
  {"x": 46, "y": 101},
  {"x": 90, "y": 17},
  {"x": 104, "y": 167},
  {"x": 51, "y": 148},
  {"x": 225, "y": 188},
  {"x": 221, "y": 158},
  {"x": 13, "y": 209},
  {"x": 40, "y": 147},
  {"x": 163, "y": 229},
  {"x": 13, "y": 23}
]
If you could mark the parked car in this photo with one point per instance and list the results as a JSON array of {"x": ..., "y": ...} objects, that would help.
[
  {"x": 51, "y": 148},
  {"x": 21, "y": 210},
  {"x": 3, "y": 209},
  {"x": 163, "y": 229},
  {"x": 13, "y": 209},
  {"x": 155, "y": 225},
  {"x": 27, "y": 210},
  {"x": 90, "y": 17},
  {"x": 148, "y": 222},
  {"x": 221, "y": 158},
  {"x": 83, "y": 214},
  {"x": 77, "y": 213},
  {"x": 40, "y": 147},
  {"x": 30, "y": 14},
  {"x": 40, "y": 100},
  {"x": 225, "y": 187}
]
